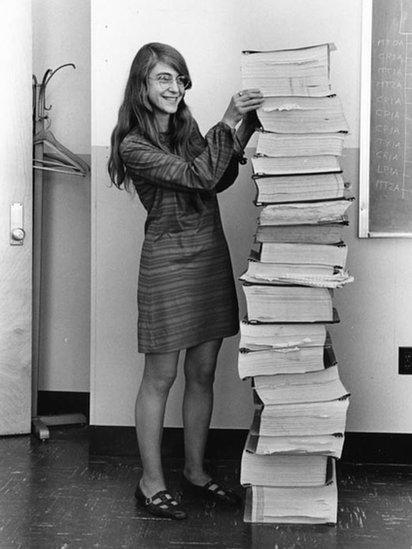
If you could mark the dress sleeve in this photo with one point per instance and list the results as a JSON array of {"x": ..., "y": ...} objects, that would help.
[
  {"x": 145, "y": 161},
  {"x": 232, "y": 170},
  {"x": 230, "y": 175}
]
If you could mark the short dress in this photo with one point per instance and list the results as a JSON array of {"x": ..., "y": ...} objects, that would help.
[{"x": 186, "y": 290}]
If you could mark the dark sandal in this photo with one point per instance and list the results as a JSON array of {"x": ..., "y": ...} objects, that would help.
[
  {"x": 214, "y": 491},
  {"x": 161, "y": 504}
]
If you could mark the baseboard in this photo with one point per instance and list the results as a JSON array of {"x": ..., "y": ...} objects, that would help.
[
  {"x": 121, "y": 441},
  {"x": 62, "y": 402},
  {"x": 228, "y": 444},
  {"x": 378, "y": 448}
]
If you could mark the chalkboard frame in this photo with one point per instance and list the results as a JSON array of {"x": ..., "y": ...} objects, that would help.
[{"x": 365, "y": 120}]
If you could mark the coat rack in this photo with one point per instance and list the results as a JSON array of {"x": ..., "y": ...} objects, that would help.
[{"x": 48, "y": 155}]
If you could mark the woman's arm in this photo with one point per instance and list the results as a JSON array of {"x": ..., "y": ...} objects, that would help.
[
  {"x": 145, "y": 161},
  {"x": 250, "y": 123},
  {"x": 230, "y": 175},
  {"x": 232, "y": 170}
]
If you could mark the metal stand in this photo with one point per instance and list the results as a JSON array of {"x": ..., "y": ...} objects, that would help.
[{"x": 40, "y": 424}]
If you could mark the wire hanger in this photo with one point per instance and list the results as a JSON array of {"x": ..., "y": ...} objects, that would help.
[
  {"x": 60, "y": 159},
  {"x": 65, "y": 160}
]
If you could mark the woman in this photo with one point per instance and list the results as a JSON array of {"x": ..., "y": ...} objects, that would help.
[{"x": 186, "y": 292}]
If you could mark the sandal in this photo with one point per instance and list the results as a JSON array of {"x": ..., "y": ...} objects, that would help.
[
  {"x": 161, "y": 504},
  {"x": 214, "y": 491}
]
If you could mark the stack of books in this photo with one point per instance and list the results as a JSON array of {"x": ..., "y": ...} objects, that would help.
[{"x": 298, "y": 260}]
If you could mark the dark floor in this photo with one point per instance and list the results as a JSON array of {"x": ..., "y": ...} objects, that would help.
[{"x": 54, "y": 495}]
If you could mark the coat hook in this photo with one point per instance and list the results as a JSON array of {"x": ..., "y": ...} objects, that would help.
[{"x": 48, "y": 75}]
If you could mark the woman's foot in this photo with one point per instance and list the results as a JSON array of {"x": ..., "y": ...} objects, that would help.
[
  {"x": 160, "y": 504},
  {"x": 150, "y": 487},
  {"x": 199, "y": 478},
  {"x": 203, "y": 485}
]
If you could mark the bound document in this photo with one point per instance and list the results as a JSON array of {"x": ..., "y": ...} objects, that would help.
[
  {"x": 303, "y": 504},
  {"x": 283, "y": 470},
  {"x": 319, "y": 386},
  {"x": 294, "y": 72},
  {"x": 315, "y": 265},
  {"x": 314, "y": 418},
  {"x": 267, "y": 303},
  {"x": 302, "y": 115},
  {"x": 306, "y": 144},
  {"x": 288, "y": 165},
  {"x": 304, "y": 254},
  {"x": 283, "y": 348},
  {"x": 272, "y": 189},
  {"x": 332, "y": 233},
  {"x": 305, "y": 213},
  {"x": 328, "y": 445}
]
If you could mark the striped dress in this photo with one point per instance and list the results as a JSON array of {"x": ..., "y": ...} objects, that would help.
[{"x": 186, "y": 291}]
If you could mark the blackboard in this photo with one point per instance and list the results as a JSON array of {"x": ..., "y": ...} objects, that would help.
[{"x": 386, "y": 180}]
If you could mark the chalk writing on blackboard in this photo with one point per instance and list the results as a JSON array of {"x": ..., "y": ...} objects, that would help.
[{"x": 390, "y": 147}]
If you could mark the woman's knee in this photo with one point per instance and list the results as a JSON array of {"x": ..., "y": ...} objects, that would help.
[
  {"x": 201, "y": 374},
  {"x": 160, "y": 372},
  {"x": 200, "y": 363},
  {"x": 162, "y": 383}
]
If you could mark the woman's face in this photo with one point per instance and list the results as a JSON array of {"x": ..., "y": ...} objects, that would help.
[{"x": 164, "y": 92}]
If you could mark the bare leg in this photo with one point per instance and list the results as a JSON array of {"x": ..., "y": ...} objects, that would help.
[
  {"x": 200, "y": 366},
  {"x": 158, "y": 377}
]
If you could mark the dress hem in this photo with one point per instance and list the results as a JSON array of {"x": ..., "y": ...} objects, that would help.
[{"x": 187, "y": 346}]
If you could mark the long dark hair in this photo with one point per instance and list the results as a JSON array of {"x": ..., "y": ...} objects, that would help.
[{"x": 137, "y": 112}]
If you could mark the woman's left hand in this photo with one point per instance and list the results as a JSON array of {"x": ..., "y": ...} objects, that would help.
[
  {"x": 248, "y": 100},
  {"x": 240, "y": 104}
]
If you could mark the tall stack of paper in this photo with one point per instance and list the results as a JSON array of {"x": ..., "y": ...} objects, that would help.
[{"x": 297, "y": 433}]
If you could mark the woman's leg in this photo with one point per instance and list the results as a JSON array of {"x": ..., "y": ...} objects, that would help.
[
  {"x": 158, "y": 377},
  {"x": 200, "y": 366}
]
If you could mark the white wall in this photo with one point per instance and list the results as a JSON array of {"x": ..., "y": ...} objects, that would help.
[
  {"x": 376, "y": 312},
  {"x": 211, "y": 34},
  {"x": 61, "y": 34}
]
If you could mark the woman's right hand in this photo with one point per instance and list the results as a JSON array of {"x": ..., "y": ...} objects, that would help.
[{"x": 241, "y": 103}]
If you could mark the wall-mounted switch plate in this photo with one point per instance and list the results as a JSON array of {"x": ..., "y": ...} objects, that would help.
[{"x": 405, "y": 360}]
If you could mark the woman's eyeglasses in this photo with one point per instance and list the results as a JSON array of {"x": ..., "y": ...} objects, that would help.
[{"x": 165, "y": 80}]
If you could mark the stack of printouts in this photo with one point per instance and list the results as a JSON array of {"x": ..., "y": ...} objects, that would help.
[{"x": 299, "y": 258}]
